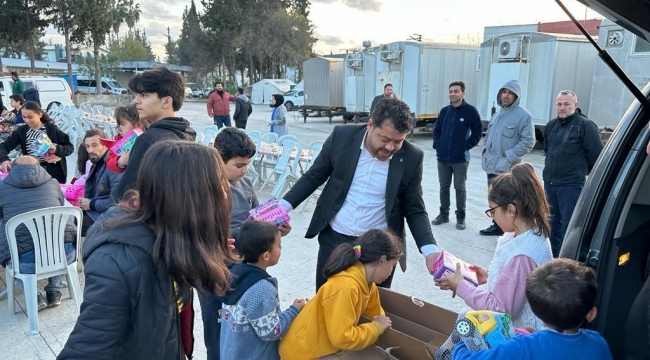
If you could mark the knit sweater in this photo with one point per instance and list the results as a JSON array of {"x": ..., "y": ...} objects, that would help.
[
  {"x": 544, "y": 344},
  {"x": 251, "y": 325},
  {"x": 528, "y": 251},
  {"x": 329, "y": 322}
]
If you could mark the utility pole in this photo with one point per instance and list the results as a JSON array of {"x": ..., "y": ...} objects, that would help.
[{"x": 416, "y": 37}]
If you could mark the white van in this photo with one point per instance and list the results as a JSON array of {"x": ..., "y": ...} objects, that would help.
[
  {"x": 88, "y": 85},
  {"x": 51, "y": 89}
]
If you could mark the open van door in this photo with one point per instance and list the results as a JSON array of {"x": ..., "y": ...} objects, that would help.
[{"x": 610, "y": 227}]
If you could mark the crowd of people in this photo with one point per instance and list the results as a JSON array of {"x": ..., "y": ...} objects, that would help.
[{"x": 149, "y": 245}]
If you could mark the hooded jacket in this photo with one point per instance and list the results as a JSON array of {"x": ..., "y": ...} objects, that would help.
[
  {"x": 171, "y": 128},
  {"x": 252, "y": 322},
  {"x": 572, "y": 147},
  {"x": 98, "y": 186},
  {"x": 243, "y": 109},
  {"x": 510, "y": 134},
  {"x": 59, "y": 169},
  {"x": 32, "y": 94},
  {"x": 330, "y": 321},
  {"x": 456, "y": 130},
  {"x": 129, "y": 309},
  {"x": 28, "y": 188}
]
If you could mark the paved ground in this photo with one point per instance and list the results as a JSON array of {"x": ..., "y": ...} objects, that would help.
[{"x": 297, "y": 264}]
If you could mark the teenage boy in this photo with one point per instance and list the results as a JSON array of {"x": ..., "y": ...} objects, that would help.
[
  {"x": 253, "y": 320},
  {"x": 237, "y": 151},
  {"x": 159, "y": 94},
  {"x": 562, "y": 294}
]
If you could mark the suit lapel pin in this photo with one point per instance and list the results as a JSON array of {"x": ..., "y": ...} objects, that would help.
[{"x": 401, "y": 159}]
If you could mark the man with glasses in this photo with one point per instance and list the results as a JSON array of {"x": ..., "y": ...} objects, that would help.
[
  {"x": 572, "y": 145},
  {"x": 510, "y": 136}
]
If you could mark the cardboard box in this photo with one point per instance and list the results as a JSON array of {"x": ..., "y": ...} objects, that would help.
[{"x": 419, "y": 329}]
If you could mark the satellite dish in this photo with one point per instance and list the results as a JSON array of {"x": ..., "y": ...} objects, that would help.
[{"x": 504, "y": 49}]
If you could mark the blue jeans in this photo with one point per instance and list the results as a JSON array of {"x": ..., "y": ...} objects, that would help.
[
  {"x": 27, "y": 266},
  {"x": 220, "y": 121},
  {"x": 210, "y": 306},
  {"x": 562, "y": 199}
]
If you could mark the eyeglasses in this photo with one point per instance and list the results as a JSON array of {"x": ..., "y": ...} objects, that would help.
[{"x": 490, "y": 212}]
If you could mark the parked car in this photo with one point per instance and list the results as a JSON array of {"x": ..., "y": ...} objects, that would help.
[
  {"x": 610, "y": 227},
  {"x": 188, "y": 92},
  {"x": 198, "y": 93},
  {"x": 51, "y": 89},
  {"x": 88, "y": 85},
  {"x": 294, "y": 98}
]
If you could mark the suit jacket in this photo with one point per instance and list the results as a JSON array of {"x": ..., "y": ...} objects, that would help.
[{"x": 337, "y": 163}]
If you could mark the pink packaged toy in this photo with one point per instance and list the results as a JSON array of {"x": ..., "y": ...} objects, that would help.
[
  {"x": 446, "y": 265},
  {"x": 270, "y": 211},
  {"x": 126, "y": 143}
]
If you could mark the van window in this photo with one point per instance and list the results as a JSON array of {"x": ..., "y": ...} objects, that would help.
[
  {"x": 28, "y": 84},
  {"x": 50, "y": 85},
  {"x": 92, "y": 83},
  {"x": 105, "y": 85},
  {"x": 83, "y": 83},
  {"x": 301, "y": 93}
]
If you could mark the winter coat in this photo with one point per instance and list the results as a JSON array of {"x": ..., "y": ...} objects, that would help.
[
  {"x": 457, "y": 130},
  {"x": 32, "y": 94},
  {"x": 59, "y": 169},
  {"x": 129, "y": 308},
  {"x": 218, "y": 105},
  {"x": 98, "y": 186},
  {"x": 27, "y": 188},
  {"x": 279, "y": 121},
  {"x": 510, "y": 134},
  {"x": 172, "y": 128},
  {"x": 243, "y": 109},
  {"x": 18, "y": 87},
  {"x": 572, "y": 146}
]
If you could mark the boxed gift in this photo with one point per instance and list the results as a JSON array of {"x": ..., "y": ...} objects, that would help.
[
  {"x": 445, "y": 265},
  {"x": 126, "y": 142},
  {"x": 270, "y": 211}
]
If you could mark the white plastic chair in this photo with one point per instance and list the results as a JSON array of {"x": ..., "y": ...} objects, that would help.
[
  {"x": 287, "y": 136},
  {"x": 47, "y": 228},
  {"x": 315, "y": 149},
  {"x": 284, "y": 161},
  {"x": 199, "y": 133},
  {"x": 209, "y": 134},
  {"x": 267, "y": 161},
  {"x": 254, "y": 133}
]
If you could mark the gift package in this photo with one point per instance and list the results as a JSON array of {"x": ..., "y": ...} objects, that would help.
[
  {"x": 445, "y": 265},
  {"x": 270, "y": 211},
  {"x": 40, "y": 147},
  {"x": 126, "y": 142}
]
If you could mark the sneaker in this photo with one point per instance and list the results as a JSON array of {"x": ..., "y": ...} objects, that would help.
[
  {"x": 492, "y": 230},
  {"x": 42, "y": 304},
  {"x": 53, "y": 298},
  {"x": 460, "y": 224},
  {"x": 440, "y": 219}
]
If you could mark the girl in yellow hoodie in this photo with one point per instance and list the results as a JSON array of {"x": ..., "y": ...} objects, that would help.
[{"x": 329, "y": 323}]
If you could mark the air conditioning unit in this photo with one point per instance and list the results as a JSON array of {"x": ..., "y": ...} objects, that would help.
[
  {"x": 509, "y": 49},
  {"x": 354, "y": 60},
  {"x": 391, "y": 53}
]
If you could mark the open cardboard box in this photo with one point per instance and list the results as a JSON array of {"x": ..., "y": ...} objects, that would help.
[{"x": 419, "y": 329}]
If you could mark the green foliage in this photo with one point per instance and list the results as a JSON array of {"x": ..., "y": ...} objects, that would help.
[
  {"x": 129, "y": 48},
  {"x": 22, "y": 22},
  {"x": 171, "y": 50}
]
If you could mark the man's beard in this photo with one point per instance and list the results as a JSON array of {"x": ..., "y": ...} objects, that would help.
[{"x": 95, "y": 159}]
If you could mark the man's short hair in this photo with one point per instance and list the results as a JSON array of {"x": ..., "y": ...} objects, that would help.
[
  {"x": 458, "y": 83},
  {"x": 561, "y": 293},
  {"x": 387, "y": 85},
  {"x": 14, "y": 73},
  {"x": 95, "y": 132},
  {"x": 255, "y": 238},
  {"x": 394, "y": 111},
  {"x": 217, "y": 83},
  {"x": 240, "y": 90},
  {"x": 569, "y": 92},
  {"x": 161, "y": 81},
  {"x": 232, "y": 142},
  {"x": 19, "y": 98}
]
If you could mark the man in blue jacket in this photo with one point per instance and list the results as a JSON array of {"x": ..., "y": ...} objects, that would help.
[{"x": 457, "y": 130}]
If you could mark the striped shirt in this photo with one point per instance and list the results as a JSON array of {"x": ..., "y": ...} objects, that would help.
[{"x": 32, "y": 136}]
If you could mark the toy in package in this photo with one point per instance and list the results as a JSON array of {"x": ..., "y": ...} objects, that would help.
[
  {"x": 40, "y": 147},
  {"x": 445, "y": 265},
  {"x": 126, "y": 143},
  {"x": 479, "y": 330},
  {"x": 270, "y": 211},
  {"x": 73, "y": 192}
]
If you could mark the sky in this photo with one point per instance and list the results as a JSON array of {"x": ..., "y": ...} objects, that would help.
[{"x": 345, "y": 24}]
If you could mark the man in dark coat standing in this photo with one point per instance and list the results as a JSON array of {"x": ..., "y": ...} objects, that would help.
[{"x": 243, "y": 109}]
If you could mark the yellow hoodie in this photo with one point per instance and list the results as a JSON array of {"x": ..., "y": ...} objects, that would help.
[{"x": 329, "y": 322}]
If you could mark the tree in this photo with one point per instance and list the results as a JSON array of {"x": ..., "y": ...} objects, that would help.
[
  {"x": 171, "y": 49},
  {"x": 142, "y": 38},
  {"x": 64, "y": 19},
  {"x": 97, "y": 18},
  {"x": 191, "y": 32},
  {"x": 128, "y": 48},
  {"x": 20, "y": 22}
]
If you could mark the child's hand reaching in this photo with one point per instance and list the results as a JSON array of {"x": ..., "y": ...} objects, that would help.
[
  {"x": 300, "y": 303},
  {"x": 231, "y": 244},
  {"x": 123, "y": 160},
  {"x": 481, "y": 274},
  {"x": 384, "y": 321},
  {"x": 450, "y": 282},
  {"x": 284, "y": 229}
]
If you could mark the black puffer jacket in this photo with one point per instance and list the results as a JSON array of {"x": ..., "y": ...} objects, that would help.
[
  {"x": 27, "y": 188},
  {"x": 128, "y": 310}
]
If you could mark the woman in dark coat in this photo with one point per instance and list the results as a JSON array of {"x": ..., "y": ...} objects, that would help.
[
  {"x": 143, "y": 257},
  {"x": 38, "y": 123}
]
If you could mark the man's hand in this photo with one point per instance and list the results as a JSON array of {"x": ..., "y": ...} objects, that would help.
[
  {"x": 84, "y": 204},
  {"x": 481, "y": 274},
  {"x": 5, "y": 166},
  {"x": 430, "y": 259},
  {"x": 450, "y": 282},
  {"x": 285, "y": 229}
]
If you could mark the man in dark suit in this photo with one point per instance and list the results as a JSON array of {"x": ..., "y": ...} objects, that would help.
[{"x": 373, "y": 181}]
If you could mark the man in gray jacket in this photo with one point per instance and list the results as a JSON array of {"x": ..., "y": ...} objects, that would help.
[
  {"x": 29, "y": 187},
  {"x": 510, "y": 136}
]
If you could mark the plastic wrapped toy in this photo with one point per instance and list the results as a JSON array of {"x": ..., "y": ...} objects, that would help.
[{"x": 445, "y": 265}]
